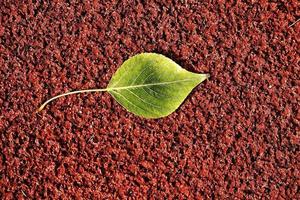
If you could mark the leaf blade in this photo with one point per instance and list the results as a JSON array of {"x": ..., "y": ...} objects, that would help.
[{"x": 153, "y": 72}]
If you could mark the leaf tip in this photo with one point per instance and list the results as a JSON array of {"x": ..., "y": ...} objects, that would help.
[{"x": 203, "y": 77}]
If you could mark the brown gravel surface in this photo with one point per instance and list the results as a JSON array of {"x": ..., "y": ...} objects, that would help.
[{"x": 235, "y": 137}]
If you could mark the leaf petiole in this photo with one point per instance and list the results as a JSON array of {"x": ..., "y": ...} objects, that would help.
[{"x": 69, "y": 93}]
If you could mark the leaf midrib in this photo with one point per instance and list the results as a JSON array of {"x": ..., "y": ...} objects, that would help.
[{"x": 149, "y": 84}]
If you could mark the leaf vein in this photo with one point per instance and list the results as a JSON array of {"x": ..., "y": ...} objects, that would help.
[
  {"x": 158, "y": 93},
  {"x": 148, "y": 77},
  {"x": 140, "y": 74},
  {"x": 149, "y": 84},
  {"x": 143, "y": 100},
  {"x": 133, "y": 103}
]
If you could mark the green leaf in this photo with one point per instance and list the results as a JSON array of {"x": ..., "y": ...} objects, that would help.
[{"x": 151, "y": 85}]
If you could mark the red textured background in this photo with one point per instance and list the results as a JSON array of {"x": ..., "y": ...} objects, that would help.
[{"x": 236, "y": 135}]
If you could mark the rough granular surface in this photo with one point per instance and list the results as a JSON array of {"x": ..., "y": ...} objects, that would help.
[{"x": 235, "y": 137}]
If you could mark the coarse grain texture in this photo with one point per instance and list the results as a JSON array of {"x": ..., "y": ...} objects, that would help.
[{"x": 235, "y": 137}]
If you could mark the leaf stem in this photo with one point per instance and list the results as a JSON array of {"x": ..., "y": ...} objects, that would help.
[{"x": 69, "y": 93}]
